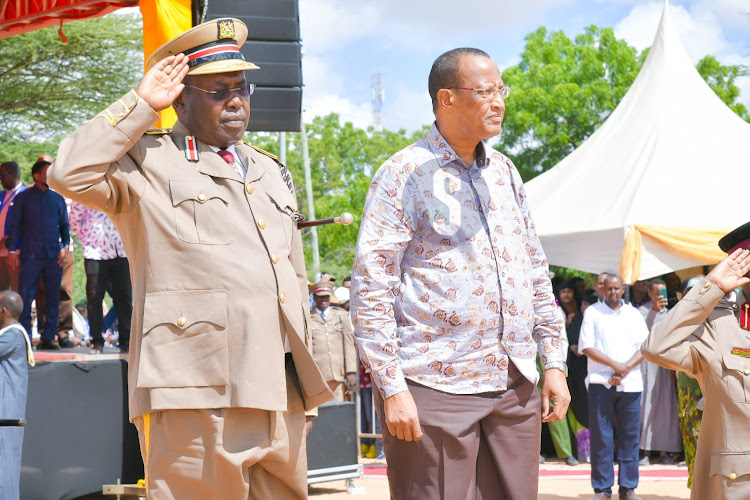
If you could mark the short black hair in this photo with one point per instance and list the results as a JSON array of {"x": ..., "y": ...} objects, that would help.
[
  {"x": 39, "y": 166},
  {"x": 11, "y": 167},
  {"x": 656, "y": 281},
  {"x": 12, "y": 302},
  {"x": 446, "y": 68}
]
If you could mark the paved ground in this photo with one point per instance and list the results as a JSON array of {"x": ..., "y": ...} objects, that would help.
[{"x": 557, "y": 482}]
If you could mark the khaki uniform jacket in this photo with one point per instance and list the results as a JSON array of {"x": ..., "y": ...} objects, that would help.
[
  {"x": 333, "y": 344},
  {"x": 216, "y": 263},
  {"x": 697, "y": 336}
]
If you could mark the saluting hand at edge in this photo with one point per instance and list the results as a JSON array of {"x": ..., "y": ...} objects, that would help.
[
  {"x": 163, "y": 83},
  {"x": 731, "y": 272}
]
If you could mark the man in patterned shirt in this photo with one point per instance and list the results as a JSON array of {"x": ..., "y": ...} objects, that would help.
[
  {"x": 451, "y": 300},
  {"x": 106, "y": 263}
]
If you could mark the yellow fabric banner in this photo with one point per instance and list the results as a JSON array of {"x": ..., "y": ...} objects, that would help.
[
  {"x": 701, "y": 243},
  {"x": 162, "y": 21}
]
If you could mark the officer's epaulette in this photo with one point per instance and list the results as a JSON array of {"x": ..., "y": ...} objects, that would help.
[
  {"x": 159, "y": 131},
  {"x": 264, "y": 152},
  {"x": 285, "y": 175}
]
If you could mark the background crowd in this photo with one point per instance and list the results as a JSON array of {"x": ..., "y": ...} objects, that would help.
[{"x": 36, "y": 256}]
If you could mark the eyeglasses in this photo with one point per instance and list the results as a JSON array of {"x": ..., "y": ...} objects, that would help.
[
  {"x": 488, "y": 93},
  {"x": 244, "y": 91}
]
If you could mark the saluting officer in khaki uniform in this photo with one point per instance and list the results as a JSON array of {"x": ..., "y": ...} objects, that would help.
[
  {"x": 708, "y": 338},
  {"x": 333, "y": 344},
  {"x": 220, "y": 368}
]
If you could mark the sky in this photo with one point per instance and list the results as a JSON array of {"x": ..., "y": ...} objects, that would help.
[{"x": 346, "y": 41}]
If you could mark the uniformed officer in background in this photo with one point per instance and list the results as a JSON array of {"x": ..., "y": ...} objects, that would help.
[
  {"x": 333, "y": 344},
  {"x": 220, "y": 372}
]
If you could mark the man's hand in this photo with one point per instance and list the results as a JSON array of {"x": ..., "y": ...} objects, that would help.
[
  {"x": 615, "y": 380},
  {"x": 163, "y": 83},
  {"x": 61, "y": 257},
  {"x": 731, "y": 272},
  {"x": 620, "y": 369},
  {"x": 555, "y": 390},
  {"x": 308, "y": 425},
  {"x": 351, "y": 379},
  {"x": 14, "y": 263},
  {"x": 659, "y": 304},
  {"x": 401, "y": 417}
]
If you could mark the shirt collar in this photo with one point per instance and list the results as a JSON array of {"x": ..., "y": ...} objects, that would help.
[
  {"x": 229, "y": 148},
  {"x": 445, "y": 154}
]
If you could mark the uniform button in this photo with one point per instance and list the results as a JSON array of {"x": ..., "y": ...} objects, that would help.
[
  {"x": 282, "y": 297},
  {"x": 261, "y": 223},
  {"x": 735, "y": 306},
  {"x": 181, "y": 321},
  {"x": 747, "y": 371},
  {"x": 201, "y": 197},
  {"x": 274, "y": 258},
  {"x": 733, "y": 476},
  {"x": 249, "y": 189}
]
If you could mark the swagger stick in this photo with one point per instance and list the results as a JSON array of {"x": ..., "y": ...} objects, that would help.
[{"x": 344, "y": 219}]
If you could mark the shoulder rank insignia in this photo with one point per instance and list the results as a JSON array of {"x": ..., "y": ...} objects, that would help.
[
  {"x": 285, "y": 175},
  {"x": 159, "y": 131},
  {"x": 191, "y": 148}
]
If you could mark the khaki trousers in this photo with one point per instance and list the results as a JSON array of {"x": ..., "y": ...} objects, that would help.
[
  {"x": 337, "y": 388},
  {"x": 475, "y": 447},
  {"x": 226, "y": 453}
]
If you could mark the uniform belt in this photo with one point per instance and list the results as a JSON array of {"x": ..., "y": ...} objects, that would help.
[{"x": 288, "y": 358}]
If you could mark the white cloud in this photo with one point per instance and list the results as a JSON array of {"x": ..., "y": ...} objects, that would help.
[
  {"x": 699, "y": 29},
  {"x": 700, "y": 35},
  {"x": 358, "y": 113},
  {"x": 408, "y": 109},
  {"x": 332, "y": 24}
]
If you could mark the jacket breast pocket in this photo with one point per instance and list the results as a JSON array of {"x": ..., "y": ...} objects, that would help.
[
  {"x": 736, "y": 372},
  {"x": 201, "y": 212},
  {"x": 287, "y": 215},
  {"x": 184, "y": 340}
]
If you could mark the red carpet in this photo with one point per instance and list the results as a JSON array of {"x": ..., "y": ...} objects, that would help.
[{"x": 663, "y": 473}]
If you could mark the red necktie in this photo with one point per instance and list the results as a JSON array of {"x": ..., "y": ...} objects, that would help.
[
  {"x": 228, "y": 157},
  {"x": 745, "y": 316}
]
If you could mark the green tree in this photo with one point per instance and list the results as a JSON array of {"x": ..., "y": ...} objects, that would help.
[
  {"x": 343, "y": 159},
  {"x": 564, "y": 89},
  {"x": 48, "y": 88},
  {"x": 722, "y": 79}
]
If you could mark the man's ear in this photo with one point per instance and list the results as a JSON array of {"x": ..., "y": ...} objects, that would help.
[{"x": 445, "y": 98}]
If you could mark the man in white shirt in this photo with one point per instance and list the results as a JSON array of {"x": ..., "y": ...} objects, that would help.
[{"x": 611, "y": 338}]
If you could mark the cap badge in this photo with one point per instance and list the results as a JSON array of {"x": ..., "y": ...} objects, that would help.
[{"x": 226, "y": 29}]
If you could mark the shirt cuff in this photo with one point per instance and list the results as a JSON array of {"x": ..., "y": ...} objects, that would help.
[{"x": 389, "y": 385}]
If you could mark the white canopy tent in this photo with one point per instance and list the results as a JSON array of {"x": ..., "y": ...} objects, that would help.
[{"x": 653, "y": 189}]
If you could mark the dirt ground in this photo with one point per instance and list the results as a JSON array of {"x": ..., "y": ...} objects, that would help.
[{"x": 657, "y": 482}]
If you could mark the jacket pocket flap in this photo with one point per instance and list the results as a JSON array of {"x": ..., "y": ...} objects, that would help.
[
  {"x": 185, "y": 308},
  {"x": 198, "y": 190},
  {"x": 737, "y": 363},
  {"x": 731, "y": 465},
  {"x": 185, "y": 341}
]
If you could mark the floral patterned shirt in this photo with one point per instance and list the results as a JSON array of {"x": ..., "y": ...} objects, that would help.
[
  {"x": 450, "y": 282},
  {"x": 99, "y": 238}
]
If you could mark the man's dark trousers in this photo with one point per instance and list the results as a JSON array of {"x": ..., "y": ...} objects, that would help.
[
  {"x": 611, "y": 411},
  {"x": 99, "y": 273},
  {"x": 28, "y": 281}
]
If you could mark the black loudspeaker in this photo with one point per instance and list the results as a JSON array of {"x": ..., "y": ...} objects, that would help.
[
  {"x": 272, "y": 44},
  {"x": 333, "y": 439}
]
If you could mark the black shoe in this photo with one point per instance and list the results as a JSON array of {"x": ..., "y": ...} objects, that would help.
[
  {"x": 66, "y": 343},
  {"x": 97, "y": 348},
  {"x": 47, "y": 345}
]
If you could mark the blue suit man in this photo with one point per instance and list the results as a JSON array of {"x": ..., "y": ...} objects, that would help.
[{"x": 40, "y": 230}]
